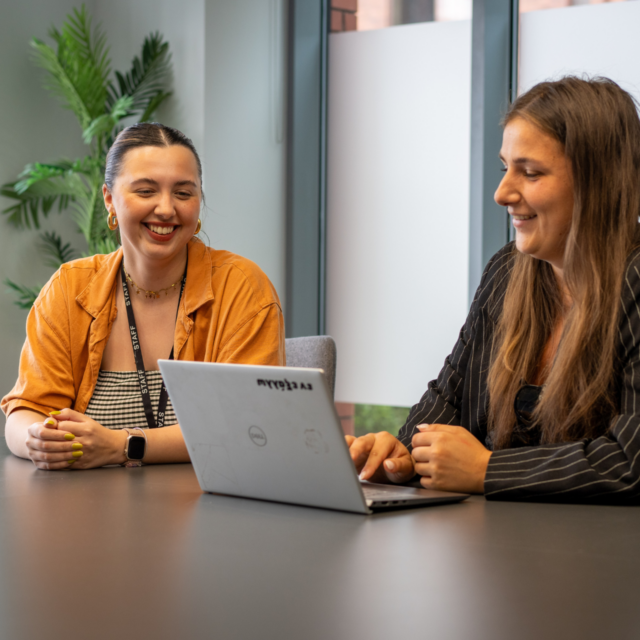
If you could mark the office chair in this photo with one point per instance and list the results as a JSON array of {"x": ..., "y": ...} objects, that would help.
[{"x": 313, "y": 352}]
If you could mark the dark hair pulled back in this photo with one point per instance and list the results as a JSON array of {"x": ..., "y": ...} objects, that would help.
[{"x": 144, "y": 134}]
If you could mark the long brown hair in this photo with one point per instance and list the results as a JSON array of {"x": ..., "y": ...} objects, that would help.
[{"x": 597, "y": 124}]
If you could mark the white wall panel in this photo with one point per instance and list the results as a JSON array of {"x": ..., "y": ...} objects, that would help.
[
  {"x": 244, "y": 150},
  {"x": 398, "y": 210},
  {"x": 595, "y": 40}
]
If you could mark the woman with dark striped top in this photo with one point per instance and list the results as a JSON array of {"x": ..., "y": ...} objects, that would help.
[{"x": 540, "y": 398}]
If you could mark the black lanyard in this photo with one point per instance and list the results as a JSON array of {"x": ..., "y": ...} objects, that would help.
[{"x": 137, "y": 354}]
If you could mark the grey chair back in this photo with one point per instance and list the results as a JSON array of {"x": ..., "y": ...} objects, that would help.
[{"x": 313, "y": 352}]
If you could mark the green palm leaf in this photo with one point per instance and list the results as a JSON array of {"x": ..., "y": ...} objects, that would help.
[
  {"x": 148, "y": 75},
  {"x": 54, "y": 252},
  {"x": 107, "y": 244},
  {"x": 88, "y": 211},
  {"x": 38, "y": 189},
  {"x": 87, "y": 44},
  {"x": 104, "y": 124},
  {"x": 78, "y": 73},
  {"x": 40, "y": 172},
  {"x": 85, "y": 51},
  {"x": 26, "y": 296},
  {"x": 26, "y": 212},
  {"x": 153, "y": 105},
  {"x": 61, "y": 82},
  {"x": 100, "y": 229}
]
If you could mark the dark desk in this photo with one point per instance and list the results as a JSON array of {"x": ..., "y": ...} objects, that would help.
[{"x": 122, "y": 553}]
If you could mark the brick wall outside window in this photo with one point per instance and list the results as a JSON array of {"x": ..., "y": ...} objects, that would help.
[{"x": 344, "y": 15}]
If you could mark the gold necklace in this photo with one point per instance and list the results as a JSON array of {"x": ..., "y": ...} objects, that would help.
[{"x": 152, "y": 294}]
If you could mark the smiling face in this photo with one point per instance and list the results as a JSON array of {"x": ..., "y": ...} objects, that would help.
[
  {"x": 156, "y": 197},
  {"x": 537, "y": 190}
]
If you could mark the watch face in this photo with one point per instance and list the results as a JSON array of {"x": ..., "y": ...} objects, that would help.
[{"x": 135, "y": 449}]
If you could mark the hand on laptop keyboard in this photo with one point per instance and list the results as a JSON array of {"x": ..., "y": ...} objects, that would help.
[{"x": 380, "y": 457}]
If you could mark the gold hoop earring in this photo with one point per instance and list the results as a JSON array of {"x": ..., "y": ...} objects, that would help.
[
  {"x": 198, "y": 227},
  {"x": 112, "y": 221}
]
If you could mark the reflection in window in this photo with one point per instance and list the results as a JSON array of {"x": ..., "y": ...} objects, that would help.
[
  {"x": 343, "y": 15},
  {"x": 537, "y": 5},
  {"x": 365, "y": 15}
]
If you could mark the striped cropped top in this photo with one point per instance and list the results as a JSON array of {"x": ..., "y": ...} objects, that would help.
[{"x": 117, "y": 401}]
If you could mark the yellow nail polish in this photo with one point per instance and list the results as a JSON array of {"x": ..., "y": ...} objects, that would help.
[
  {"x": 77, "y": 454},
  {"x": 71, "y": 461},
  {"x": 76, "y": 445},
  {"x": 50, "y": 421},
  {"x": 69, "y": 436},
  {"x": 55, "y": 413}
]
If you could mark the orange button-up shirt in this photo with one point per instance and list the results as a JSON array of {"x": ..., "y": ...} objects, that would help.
[{"x": 229, "y": 312}]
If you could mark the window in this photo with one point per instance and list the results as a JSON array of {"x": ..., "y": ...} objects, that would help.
[
  {"x": 366, "y": 15},
  {"x": 360, "y": 419}
]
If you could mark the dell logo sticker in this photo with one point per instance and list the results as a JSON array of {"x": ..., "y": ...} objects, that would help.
[{"x": 257, "y": 436}]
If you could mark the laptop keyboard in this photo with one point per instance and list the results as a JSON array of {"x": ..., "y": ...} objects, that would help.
[{"x": 388, "y": 494}]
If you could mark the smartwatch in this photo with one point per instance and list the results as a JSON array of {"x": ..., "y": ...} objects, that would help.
[{"x": 134, "y": 447}]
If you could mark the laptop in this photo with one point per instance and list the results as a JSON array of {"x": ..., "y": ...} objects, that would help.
[{"x": 272, "y": 433}]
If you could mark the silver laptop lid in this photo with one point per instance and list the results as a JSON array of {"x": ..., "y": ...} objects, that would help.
[{"x": 263, "y": 432}]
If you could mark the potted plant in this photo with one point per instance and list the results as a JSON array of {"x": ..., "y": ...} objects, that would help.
[{"x": 78, "y": 73}]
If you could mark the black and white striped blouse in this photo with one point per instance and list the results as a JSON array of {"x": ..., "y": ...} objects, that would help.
[
  {"x": 117, "y": 400},
  {"x": 604, "y": 469}
]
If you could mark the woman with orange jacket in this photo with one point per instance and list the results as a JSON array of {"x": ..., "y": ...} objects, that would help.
[{"x": 99, "y": 326}]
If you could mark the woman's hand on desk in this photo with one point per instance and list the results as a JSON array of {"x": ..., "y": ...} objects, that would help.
[
  {"x": 92, "y": 444},
  {"x": 49, "y": 447},
  {"x": 380, "y": 457},
  {"x": 449, "y": 458}
]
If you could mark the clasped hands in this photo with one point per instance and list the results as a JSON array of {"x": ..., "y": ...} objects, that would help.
[
  {"x": 448, "y": 458},
  {"x": 69, "y": 439}
]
